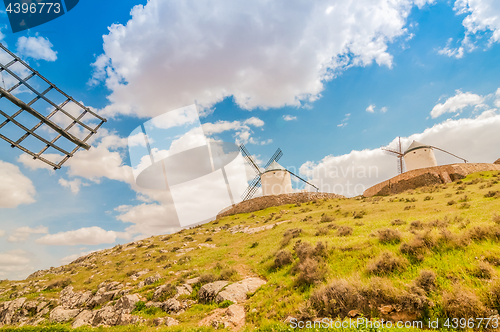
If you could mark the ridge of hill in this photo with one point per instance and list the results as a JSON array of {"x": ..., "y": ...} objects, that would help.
[{"x": 425, "y": 254}]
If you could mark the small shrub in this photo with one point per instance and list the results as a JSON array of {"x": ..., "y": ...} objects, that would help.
[
  {"x": 206, "y": 278},
  {"x": 464, "y": 206},
  {"x": 61, "y": 283},
  {"x": 344, "y": 231},
  {"x": 359, "y": 215},
  {"x": 416, "y": 224},
  {"x": 496, "y": 219},
  {"x": 483, "y": 270},
  {"x": 184, "y": 260},
  {"x": 326, "y": 218},
  {"x": 161, "y": 259},
  {"x": 463, "y": 303},
  {"x": 310, "y": 272},
  {"x": 426, "y": 280},
  {"x": 492, "y": 259},
  {"x": 322, "y": 231},
  {"x": 386, "y": 263},
  {"x": 398, "y": 222},
  {"x": 337, "y": 299},
  {"x": 428, "y": 198},
  {"x": 166, "y": 293},
  {"x": 290, "y": 234},
  {"x": 139, "y": 306},
  {"x": 452, "y": 202},
  {"x": 208, "y": 239},
  {"x": 320, "y": 250},
  {"x": 254, "y": 245},
  {"x": 389, "y": 236},
  {"x": 417, "y": 246},
  {"x": 492, "y": 194},
  {"x": 282, "y": 258},
  {"x": 229, "y": 274}
]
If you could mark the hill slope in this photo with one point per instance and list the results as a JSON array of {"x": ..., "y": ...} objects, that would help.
[{"x": 418, "y": 256}]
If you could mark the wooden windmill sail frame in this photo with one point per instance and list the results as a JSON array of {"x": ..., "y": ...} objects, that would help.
[{"x": 65, "y": 139}]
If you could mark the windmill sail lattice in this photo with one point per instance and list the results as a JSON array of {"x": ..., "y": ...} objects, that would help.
[
  {"x": 398, "y": 152},
  {"x": 39, "y": 118}
]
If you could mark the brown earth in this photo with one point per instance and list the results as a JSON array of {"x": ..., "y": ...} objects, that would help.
[
  {"x": 427, "y": 176},
  {"x": 497, "y": 162},
  {"x": 264, "y": 202}
]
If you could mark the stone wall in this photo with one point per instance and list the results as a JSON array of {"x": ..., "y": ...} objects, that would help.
[
  {"x": 264, "y": 202},
  {"x": 427, "y": 176}
]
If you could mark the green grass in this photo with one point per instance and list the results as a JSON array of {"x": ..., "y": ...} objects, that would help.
[{"x": 348, "y": 256}]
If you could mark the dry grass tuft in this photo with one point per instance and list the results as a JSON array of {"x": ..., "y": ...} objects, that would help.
[
  {"x": 426, "y": 280},
  {"x": 389, "y": 236},
  {"x": 483, "y": 270},
  {"x": 282, "y": 258},
  {"x": 463, "y": 303},
  {"x": 290, "y": 234},
  {"x": 344, "y": 231},
  {"x": 386, "y": 263},
  {"x": 398, "y": 222}
]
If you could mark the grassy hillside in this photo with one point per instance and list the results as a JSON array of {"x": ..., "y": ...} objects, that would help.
[{"x": 428, "y": 253}]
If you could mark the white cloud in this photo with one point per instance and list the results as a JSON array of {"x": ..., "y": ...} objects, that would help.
[
  {"x": 38, "y": 48},
  {"x": 383, "y": 110},
  {"x": 371, "y": 109},
  {"x": 289, "y": 117},
  {"x": 457, "y": 52},
  {"x": 149, "y": 219},
  {"x": 242, "y": 128},
  {"x": 457, "y": 103},
  {"x": 16, "y": 264},
  {"x": 74, "y": 185},
  {"x": 263, "y": 54},
  {"x": 86, "y": 235},
  {"x": 2, "y": 233},
  {"x": 482, "y": 15},
  {"x": 352, "y": 173},
  {"x": 497, "y": 96},
  {"x": 344, "y": 121},
  {"x": 15, "y": 188},
  {"x": 21, "y": 234}
]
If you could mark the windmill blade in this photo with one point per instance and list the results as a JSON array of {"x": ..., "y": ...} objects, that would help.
[
  {"x": 390, "y": 151},
  {"x": 298, "y": 177},
  {"x": 276, "y": 156},
  {"x": 249, "y": 159},
  {"x": 252, "y": 188}
]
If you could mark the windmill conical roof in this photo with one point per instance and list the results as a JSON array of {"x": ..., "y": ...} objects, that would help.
[
  {"x": 416, "y": 145},
  {"x": 274, "y": 166}
]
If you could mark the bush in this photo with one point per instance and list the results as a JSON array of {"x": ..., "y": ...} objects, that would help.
[
  {"x": 428, "y": 198},
  {"x": 492, "y": 259},
  {"x": 389, "y": 236},
  {"x": 358, "y": 215},
  {"x": 417, "y": 224},
  {"x": 452, "y": 202},
  {"x": 290, "y": 234},
  {"x": 398, "y": 222},
  {"x": 492, "y": 194},
  {"x": 483, "y": 270},
  {"x": 386, "y": 263},
  {"x": 206, "y": 278},
  {"x": 322, "y": 231},
  {"x": 462, "y": 303},
  {"x": 254, "y": 245},
  {"x": 344, "y": 231},
  {"x": 496, "y": 219},
  {"x": 417, "y": 246},
  {"x": 208, "y": 239},
  {"x": 166, "y": 293},
  {"x": 61, "y": 283},
  {"x": 310, "y": 272},
  {"x": 282, "y": 258},
  {"x": 337, "y": 299},
  {"x": 229, "y": 274},
  {"x": 326, "y": 218},
  {"x": 426, "y": 280}
]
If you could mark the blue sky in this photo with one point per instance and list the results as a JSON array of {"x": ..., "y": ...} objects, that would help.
[{"x": 327, "y": 90}]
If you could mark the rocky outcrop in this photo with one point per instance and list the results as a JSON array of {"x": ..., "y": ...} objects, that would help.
[
  {"x": 238, "y": 291},
  {"x": 208, "y": 292},
  {"x": 264, "y": 202},
  {"x": 61, "y": 315}
]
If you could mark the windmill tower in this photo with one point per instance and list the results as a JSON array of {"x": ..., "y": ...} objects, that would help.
[
  {"x": 398, "y": 152},
  {"x": 274, "y": 179},
  {"x": 419, "y": 155},
  {"x": 416, "y": 156}
]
